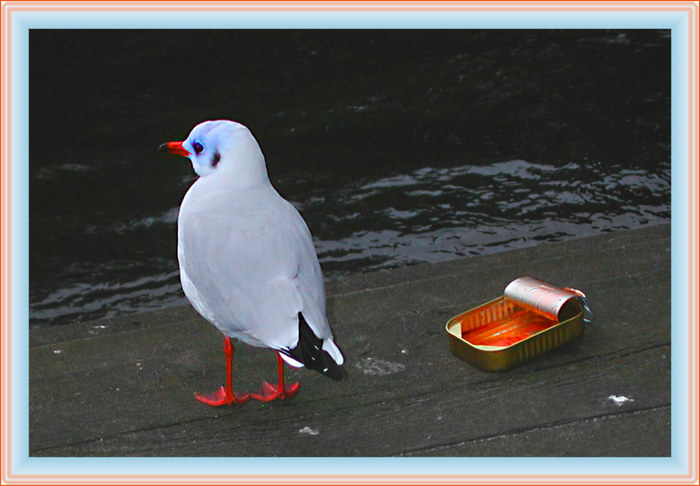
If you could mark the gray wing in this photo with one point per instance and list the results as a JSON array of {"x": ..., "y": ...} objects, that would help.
[{"x": 249, "y": 266}]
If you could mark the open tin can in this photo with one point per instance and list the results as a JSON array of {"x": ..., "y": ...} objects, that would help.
[{"x": 531, "y": 318}]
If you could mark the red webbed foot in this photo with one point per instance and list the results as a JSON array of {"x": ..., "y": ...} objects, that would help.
[
  {"x": 271, "y": 392},
  {"x": 282, "y": 390},
  {"x": 222, "y": 397},
  {"x": 225, "y": 395}
]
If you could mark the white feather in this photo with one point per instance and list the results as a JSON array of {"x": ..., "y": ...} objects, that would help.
[{"x": 247, "y": 260}]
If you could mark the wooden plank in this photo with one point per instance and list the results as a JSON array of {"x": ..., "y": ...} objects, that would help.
[
  {"x": 389, "y": 420},
  {"x": 127, "y": 390},
  {"x": 573, "y": 439}
]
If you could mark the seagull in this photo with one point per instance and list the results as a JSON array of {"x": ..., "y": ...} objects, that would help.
[{"x": 247, "y": 260}]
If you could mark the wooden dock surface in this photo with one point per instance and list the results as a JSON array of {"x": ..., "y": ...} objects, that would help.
[{"x": 124, "y": 386}]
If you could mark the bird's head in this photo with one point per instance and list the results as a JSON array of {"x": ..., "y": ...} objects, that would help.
[{"x": 221, "y": 146}]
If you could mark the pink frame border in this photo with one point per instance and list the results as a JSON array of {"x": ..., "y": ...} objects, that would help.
[{"x": 10, "y": 7}]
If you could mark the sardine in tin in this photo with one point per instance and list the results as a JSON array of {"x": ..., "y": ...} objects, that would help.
[{"x": 531, "y": 318}]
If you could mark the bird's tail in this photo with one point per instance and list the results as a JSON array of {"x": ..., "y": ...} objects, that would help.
[{"x": 310, "y": 352}]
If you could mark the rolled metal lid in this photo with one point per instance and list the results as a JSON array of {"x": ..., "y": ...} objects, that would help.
[{"x": 553, "y": 302}]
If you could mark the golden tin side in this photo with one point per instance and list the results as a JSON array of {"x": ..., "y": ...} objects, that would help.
[{"x": 498, "y": 358}]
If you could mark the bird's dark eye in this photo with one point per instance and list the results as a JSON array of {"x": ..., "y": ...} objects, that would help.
[{"x": 198, "y": 147}]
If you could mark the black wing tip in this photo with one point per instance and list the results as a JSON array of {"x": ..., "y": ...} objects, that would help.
[
  {"x": 335, "y": 372},
  {"x": 309, "y": 352}
]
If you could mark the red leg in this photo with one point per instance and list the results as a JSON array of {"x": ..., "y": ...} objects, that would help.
[
  {"x": 224, "y": 395},
  {"x": 281, "y": 391}
]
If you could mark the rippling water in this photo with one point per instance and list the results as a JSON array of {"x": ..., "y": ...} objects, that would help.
[
  {"x": 398, "y": 147},
  {"x": 437, "y": 214}
]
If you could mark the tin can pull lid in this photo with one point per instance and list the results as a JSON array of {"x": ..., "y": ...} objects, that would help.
[{"x": 544, "y": 298}]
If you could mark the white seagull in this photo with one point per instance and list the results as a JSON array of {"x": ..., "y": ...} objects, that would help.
[{"x": 247, "y": 260}]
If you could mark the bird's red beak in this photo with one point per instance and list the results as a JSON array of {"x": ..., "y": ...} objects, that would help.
[{"x": 174, "y": 148}]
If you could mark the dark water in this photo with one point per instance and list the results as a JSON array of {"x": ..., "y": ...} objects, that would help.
[{"x": 398, "y": 147}]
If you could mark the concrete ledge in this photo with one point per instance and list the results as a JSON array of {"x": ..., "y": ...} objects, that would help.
[{"x": 123, "y": 386}]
